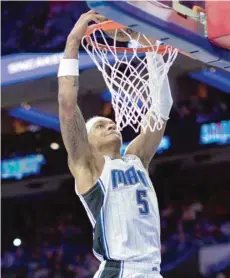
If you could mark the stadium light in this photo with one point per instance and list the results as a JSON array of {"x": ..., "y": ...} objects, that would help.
[
  {"x": 54, "y": 146},
  {"x": 17, "y": 242}
]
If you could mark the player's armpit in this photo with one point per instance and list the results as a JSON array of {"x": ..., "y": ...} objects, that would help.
[{"x": 145, "y": 145}]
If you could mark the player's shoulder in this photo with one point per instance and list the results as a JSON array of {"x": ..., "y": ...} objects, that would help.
[
  {"x": 135, "y": 159},
  {"x": 130, "y": 157}
]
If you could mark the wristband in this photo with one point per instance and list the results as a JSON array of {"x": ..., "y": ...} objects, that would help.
[{"x": 68, "y": 67}]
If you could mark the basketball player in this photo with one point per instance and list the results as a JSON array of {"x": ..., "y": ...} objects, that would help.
[{"x": 116, "y": 191}]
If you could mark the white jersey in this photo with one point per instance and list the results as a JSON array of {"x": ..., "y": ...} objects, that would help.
[{"x": 123, "y": 209}]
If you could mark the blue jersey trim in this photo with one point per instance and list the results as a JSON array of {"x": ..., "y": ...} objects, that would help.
[{"x": 102, "y": 222}]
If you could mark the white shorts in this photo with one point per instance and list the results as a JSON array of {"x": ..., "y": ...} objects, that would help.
[{"x": 126, "y": 270}]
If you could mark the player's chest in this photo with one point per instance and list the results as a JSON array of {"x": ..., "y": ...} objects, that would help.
[{"x": 125, "y": 174}]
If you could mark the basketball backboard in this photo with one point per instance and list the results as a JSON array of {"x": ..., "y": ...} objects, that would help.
[{"x": 171, "y": 22}]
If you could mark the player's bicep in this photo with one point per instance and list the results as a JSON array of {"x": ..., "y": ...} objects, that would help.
[{"x": 145, "y": 145}]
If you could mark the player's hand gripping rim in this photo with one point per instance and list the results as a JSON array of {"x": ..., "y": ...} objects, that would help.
[{"x": 80, "y": 28}]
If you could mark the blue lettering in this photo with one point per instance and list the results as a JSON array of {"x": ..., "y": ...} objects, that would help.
[
  {"x": 142, "y": 177},
  {"x": 132, "y": 176},
  {"x": 118, "y": 176},
  {"x": 128, "y": 177}
]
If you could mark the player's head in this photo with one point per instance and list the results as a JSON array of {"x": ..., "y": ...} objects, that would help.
[{"x": 103, "y": 132}]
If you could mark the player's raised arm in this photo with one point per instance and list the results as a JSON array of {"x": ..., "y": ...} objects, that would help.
[
  {"x": 146, "y": 143},
  {"x": 73, "y": 127}
]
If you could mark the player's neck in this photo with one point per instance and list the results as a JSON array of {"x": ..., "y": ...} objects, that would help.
[{"x": 111, "y": 151}]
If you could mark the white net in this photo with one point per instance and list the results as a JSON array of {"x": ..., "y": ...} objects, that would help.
[{"x": 134, "y": 79}]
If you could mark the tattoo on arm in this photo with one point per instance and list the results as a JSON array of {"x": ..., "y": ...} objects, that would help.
[
  {"x": 74, "y": 133},
  {"x": 68, "y": 90},
  {"x": 71, "y": 49}
]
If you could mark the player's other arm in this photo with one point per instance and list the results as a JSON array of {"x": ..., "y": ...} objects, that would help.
[
  {"x": 146, "y": 143},
  {"x": 82, "y": 158}
]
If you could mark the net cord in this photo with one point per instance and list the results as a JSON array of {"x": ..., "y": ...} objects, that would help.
[{"x": 143, "y": 85}]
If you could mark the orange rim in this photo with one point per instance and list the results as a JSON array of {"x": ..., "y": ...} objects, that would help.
[{"x": 111, "y": 25}]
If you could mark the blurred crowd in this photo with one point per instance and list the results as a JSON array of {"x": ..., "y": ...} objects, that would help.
[
  {"x": 197, "y": 102},
  {"x": 52, "y": 244},
  {"x": 38, "y": 26},
  {"x": 48, "y": 262},
  {"x": 41, "y": 26},
  {"x": 56, "y": 235},
  {"x": 184, "y": 225}
]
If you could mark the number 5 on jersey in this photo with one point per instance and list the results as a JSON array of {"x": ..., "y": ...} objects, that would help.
[{"x": 142, "y": 202}]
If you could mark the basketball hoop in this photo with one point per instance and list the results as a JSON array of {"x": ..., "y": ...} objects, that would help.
[{"x": 135, "y": 76}]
